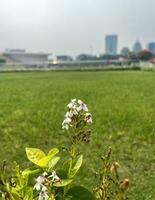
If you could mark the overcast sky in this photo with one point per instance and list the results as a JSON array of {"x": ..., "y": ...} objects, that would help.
[{"x": 74, "y": 26}]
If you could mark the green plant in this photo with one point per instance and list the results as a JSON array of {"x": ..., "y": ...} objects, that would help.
[
  {"x": 109, "y": 185},
  {"x": 52, "y": 183},
  {"x": 51, "y": 177}
]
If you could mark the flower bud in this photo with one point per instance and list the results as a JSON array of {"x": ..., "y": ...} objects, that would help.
[
  {"x": 124, "y": 184},
  {"x": 114, "y": 167},
  {"x": 88, "y": 118}
]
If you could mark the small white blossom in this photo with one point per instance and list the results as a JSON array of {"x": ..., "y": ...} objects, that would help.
[
  {"x": 82, "y": 106},
  {"x": 65, "y": 126},
  {"x": 72, "y": 103},
  {"x": 44, "y": 174},
  {"x": 66, "y": 122},
  {"x": 39, "y": 183},
  {"x": 37, "y": 186},
  {"x": 54, "y": 177},
  {"x": 44, "y": 188},
  {"x": 69, "y": 115},
  {"x": 43, "y": 194},
  {"x": 88, "y": 118},
  {"x": 73, "y": 111}
]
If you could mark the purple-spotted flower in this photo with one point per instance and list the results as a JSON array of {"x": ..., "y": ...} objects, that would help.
[
  {"x": 39, "y": 183},
  {"x": 43, "y": 195},
  {"x": 82, "y": 106}
]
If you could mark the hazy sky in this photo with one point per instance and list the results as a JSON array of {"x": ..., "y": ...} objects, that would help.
[{"x": 74, "y": 26}]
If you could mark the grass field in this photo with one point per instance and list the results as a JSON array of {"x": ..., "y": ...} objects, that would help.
[{"x": 32, "y": 106}]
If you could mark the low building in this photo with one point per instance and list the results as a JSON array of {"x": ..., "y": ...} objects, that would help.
[
  {"x": 86, "y": 57},
  {"x": 62, "y": 58},
  {"x": 27, "y": 59}
]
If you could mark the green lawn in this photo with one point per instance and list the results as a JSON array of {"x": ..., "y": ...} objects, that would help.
[{"x": 32, "y": 106}]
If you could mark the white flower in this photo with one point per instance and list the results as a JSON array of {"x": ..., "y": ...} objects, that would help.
[
  {"x": 54, "y": 177},
  {"x": 39, "y": 183},
  {"x": 37, "y": 186},
  {"x": 88, "y": 118},
  {"x": 65, "y": 126},
  {"x": 44, "y": 188},
  {"x": 74, "y": 110},
  {"x": 44, "y": 174},
  {"x": 71, "y": 113},
  {"x": 43, "y": 194},
  {"x": 72, "y": 103},
  {"x": 82, "y": 106},
  {"x": 40, "y": 180},
  {"x": 66, "y": 122}
]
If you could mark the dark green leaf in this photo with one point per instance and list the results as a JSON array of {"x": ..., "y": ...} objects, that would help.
[{"x": 79, "y": 193}]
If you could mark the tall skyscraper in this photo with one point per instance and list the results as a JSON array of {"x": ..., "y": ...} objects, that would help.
[
  {"x": 111, "y": 43},
  {"x": 151, "y": 47},
  {"x": 137, "y": 47}
]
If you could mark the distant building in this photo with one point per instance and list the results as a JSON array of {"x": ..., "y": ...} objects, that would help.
[
  {"x": 15, "y": 50},
  {"x": 87, "y": 57},
  {"x": 111, "y": 43},
  {"x": 25, "y": 58},
  {"x": 62, "y": 58},
  {"x": 151, "y": 47},
  {"x": 125, "y": 51},
  {"x": 137, "y": 47}
]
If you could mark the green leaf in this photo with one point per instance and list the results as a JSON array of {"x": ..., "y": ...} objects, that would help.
[
  {"x": 44, "y": 161},
  {"x": 66, "y": 167},
  {"x": 76, "y": 166},
  {"x": 53, "y": 152},
  {"x": 30, "y": 170},
  {"x": 79, "y": 193},
  {"x": 39, "y": 158},
  {"x": 34, "y": 155},
  {"x": 52, "y": 163},
  {"x": 63, "y": 182}
]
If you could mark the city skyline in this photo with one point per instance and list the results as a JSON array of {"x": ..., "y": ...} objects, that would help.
[
  {"x": 110, "y": 48},
  {"x": 91, "y": 47},
  {"x": 69, "y": 27}
]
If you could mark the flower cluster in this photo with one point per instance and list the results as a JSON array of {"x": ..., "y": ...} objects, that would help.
[
  {"x": 75, "y": 109},
  {"x": 42, "y": 182}
]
